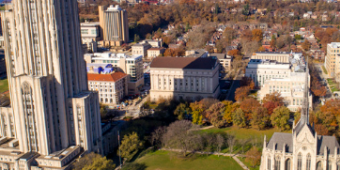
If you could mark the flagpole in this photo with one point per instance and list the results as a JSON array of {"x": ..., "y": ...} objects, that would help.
[{"x": 120, "y": 159}]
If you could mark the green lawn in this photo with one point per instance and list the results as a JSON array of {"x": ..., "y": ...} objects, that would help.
[
  {"x": 244, "y": 133},
  {"x": 333, "y": 85},
  {"x": 163, "y": 160},
  {"x": 243, "y": 159},
  {"x": 3, "y": 85}
]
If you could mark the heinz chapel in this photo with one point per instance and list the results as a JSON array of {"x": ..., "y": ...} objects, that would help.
[{"x": 304, "y": 149}]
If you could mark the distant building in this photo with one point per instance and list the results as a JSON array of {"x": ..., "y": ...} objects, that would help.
[
  {"x": 90, "y": 35},
  {"x": 140, "y": 49},
  {"x": 282, "y": 57},
  {"x": 224, "y": 60},
  {"x": 114, "y": 25},
  {"x": 285, "y": 78},
  {"x": 104, "y": 63},
  {"x": 111, "y": 87},
  {"x": 155, "y": 52},
  {"x": 153, "y": 43},
  {"x": 332, "y": 60},
  {"x": 188, "y": 78}
]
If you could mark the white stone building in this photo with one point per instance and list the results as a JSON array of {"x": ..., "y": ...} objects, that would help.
[
  {"x": 282, "y": 57},
  {"x": 189, "y": 78},
  {"x": 286, "y": 78},
  {"x": 303, "y": 149}
]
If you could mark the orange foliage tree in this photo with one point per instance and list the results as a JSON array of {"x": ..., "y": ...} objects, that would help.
[
  {"x": 257, "y": 35},
  {"x": 248, "y": 105},
  {"x": 241, "y": 93}
]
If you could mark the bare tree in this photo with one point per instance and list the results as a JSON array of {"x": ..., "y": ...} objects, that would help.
[
  {"x": 243, "y": 142},
  {"x": 156, "y": 135},
  {"x": 220, "y": 142},
  {"x": 180, "y": 134},
  {"x": 231, "y": 142}
]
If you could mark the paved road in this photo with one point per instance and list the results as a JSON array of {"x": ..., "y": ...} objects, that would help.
[
  {"x": 236, "y": 84},
  {"x": 324, "y": 77}
]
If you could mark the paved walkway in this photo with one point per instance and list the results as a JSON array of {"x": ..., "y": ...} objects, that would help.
[{"x": 234, "y": 156}]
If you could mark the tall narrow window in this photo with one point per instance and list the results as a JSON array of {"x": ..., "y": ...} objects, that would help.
[
  {"x": 287, "y": 165},
  {"x": 299, "y": 162},
  {"x": 338, "y": 166},
  {"x": 269, "y": 164},
  {"x": 277, "y": 163},
  {"x": 308, "y": 162}
]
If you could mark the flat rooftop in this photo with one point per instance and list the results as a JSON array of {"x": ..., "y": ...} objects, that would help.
[
  {"x": 334, "y": 44},
  {"x": 89, "y": 24},
  {"x": 111, "y": 55}
]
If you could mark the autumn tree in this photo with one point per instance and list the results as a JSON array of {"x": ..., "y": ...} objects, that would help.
[
  {"x": 321, "y": 129},
  {"x": 260, "y": 118},
  {"x": 239, "y": 118},
  {"x": 253, "y": 156},
  {"x": 197, "y": 109},
  {"x": 182, "y": 111},
  {"x": 280, "y": 117},
  {"x": 234, "y": 52},
  {"x": 215, "y": 114},
  {"x": 261, "y": 49},
  {"x": 247, "y": 81},
  {"x": 93, "y": 161},
  {"x": 257, "y": 35},
  {"x": 273, "y": 42},
  {"x": 248, "y": 105},
  {"x": 230, "y": 107},
  {"x": 241, "y": 93},
  {"x": 306, "y": 45},
  {"x": 129, "y": 146},
  {"x": 156, "y": 136},
  {"x": 272, "y": 101}
]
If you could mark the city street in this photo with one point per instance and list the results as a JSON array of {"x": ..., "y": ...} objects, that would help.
[
  {"x": 236, "y": 84},
  {"x": 324, "y": 76}
]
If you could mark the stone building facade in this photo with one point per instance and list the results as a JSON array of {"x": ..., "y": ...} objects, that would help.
[
  {"x": 53, "y": 118},
  {"x": 188, "y": 78}
]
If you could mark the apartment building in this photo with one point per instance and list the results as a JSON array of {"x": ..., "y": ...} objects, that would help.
[
  {"x": 285, "y": 78},
  {"x": 140, "y": 49},
  {"x": 114, "y": 26},
  {"x": 106, "y": 62},
  {"x": 90, "y": 35},
  {"x": 332, "y": 60},
  {"x": 111, "y": 87},
  {"x": 155, "y": 52},
  {"x": 53, "y": 118},
  {"x": 282, "y": 57},
  {"x": 189, "y": 78},
  {"x": 224, "y": 60}
]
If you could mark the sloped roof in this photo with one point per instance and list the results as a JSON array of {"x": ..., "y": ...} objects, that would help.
[
  {"x": 327, "y": 141},
  {"x": 279, "y": 139},
  {"x": 106, "y": 77},
  {"x": 183, "y": 62}
]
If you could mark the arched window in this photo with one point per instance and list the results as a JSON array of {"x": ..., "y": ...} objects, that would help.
[
  {"x": 287, "y": 165},
  {"x": 338, "y": 165},
  {"x": 277, "y": 163},
  {"x": 319, "y": 166},
  {"x": 269, "y": 164},
  {"x": 308, "y": 162},
  {"x": 299, "y": 162}
]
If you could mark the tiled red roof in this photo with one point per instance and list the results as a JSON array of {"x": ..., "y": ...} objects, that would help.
[{"x": 106, "y": 77}]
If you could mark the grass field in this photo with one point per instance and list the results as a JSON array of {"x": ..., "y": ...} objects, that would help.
[
  {"x": 333, "y": 85},
  {"x": 243, "y": 133},
  {"x": 247, "y": 164},
  {"x": 163, "y": 160},
  {"x": 3, "y": 85}
]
